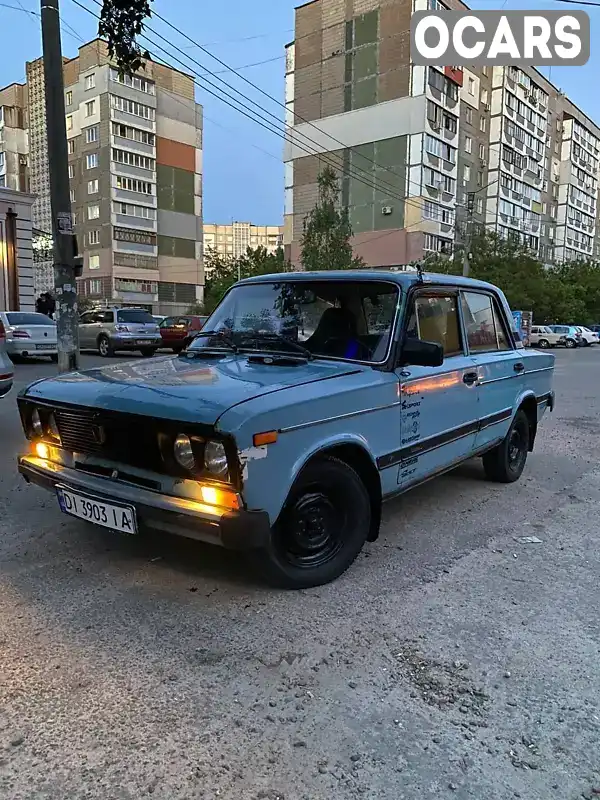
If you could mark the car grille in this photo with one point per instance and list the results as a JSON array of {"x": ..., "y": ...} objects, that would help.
[{"x": 116, "y": 437}]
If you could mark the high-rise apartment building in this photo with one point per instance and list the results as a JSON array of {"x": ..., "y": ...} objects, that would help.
[
  {"x": 424, "y": 154},
  {"x": 14, "y": 144},
  {"x": 135, "y": 168},
  {"x": 234, "y": 239}
]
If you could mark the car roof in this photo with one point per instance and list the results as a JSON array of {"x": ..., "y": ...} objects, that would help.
[{"x": 400, "y": 277}]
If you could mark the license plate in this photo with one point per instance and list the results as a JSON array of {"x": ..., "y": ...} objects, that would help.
[
  {"x": 92, "y": 509},
  {"x": 143, "y": 341},
  {"x": 45, "y": 347}
]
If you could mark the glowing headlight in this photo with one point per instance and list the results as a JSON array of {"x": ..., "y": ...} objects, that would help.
[
  {"x": 182, "y": 450},
  {"x": 53, "y": 428},
  {"x": 215, "y": 459},
  {"x": 36, "y": 423}
]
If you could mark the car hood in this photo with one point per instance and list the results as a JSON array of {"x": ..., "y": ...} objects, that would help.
[{"x": 180, "y": 389}]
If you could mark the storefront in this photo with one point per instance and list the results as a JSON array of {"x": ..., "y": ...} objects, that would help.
[{"x": 16, "y": 255}]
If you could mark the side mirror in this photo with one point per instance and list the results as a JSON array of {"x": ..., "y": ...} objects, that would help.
[{"x": 422, "y": 354}]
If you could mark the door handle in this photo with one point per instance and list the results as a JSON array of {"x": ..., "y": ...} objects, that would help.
[
  {"x": 470, "y": 378},
  {"x": 519, "y": 367}
]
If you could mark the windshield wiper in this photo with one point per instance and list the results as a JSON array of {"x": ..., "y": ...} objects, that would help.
[
  {"x": 225, "y": 338},
  {"x": 277, "y": 337}
]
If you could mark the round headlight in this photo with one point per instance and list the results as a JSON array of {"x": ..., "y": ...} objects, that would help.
[
  {"x": 53, "y": 428},
  {"x": 36, "y": 423},
  {"x": 182, "y": 450},
  {"x": 215, "y": 459}
]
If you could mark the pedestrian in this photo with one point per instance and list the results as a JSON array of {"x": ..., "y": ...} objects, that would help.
[
  {"x": 40, "y": 305},
  {"x": 50, "y": 305}
]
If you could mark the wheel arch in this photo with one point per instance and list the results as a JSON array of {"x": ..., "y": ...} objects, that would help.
[
  {"x": 528, "y": 404},
  {"x": 353, "y": 452}
]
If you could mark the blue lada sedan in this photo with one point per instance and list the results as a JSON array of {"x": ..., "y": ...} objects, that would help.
[{"x": 306, "y": 401}]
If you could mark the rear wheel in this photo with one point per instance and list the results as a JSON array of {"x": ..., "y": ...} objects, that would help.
[
  {"x": 506, "y": 462},
  {"x": 54, "y": 358},
  {"x": 543, "y": 343},
  {"x": 321, "y": 529},
  {"x": 148, "y": 352},
  {"x": 104, "y": 347},
  {"x": 570, "y": 343}
]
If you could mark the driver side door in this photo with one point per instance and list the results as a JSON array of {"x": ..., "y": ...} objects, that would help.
[{"x": 439, "y": 406}]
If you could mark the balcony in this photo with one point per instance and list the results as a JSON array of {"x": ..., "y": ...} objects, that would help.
[{"x": 132, "y": 144}]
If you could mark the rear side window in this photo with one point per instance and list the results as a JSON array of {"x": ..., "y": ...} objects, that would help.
[
  {"x": 435, "y": 319},
  {"x": 21, "y": 318},
  {"x": 484, "y": 328},
  {"x": 105, "y": 316},
  {"x": 139, "y": 317}
]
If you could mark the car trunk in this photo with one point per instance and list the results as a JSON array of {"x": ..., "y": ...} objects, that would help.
[
  {"x": 139, "y": 323},
  {"x": 32, "y": 329}
]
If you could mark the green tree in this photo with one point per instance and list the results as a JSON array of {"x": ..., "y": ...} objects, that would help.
[
  {"x": 223, "y": 271},
  {"x": 327, "y": 231},
  {"x": 121, "y": 22}
]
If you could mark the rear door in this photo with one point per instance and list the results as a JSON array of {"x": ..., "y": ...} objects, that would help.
[
  {"x": 500, "y": 366},
  {"x": 87, "y": 322}
]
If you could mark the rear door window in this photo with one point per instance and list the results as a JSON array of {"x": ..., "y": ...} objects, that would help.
[{"x": 484, "y": 328}]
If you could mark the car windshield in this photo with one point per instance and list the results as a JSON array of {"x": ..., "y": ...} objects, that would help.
[
  {"x": 140, "y": 317},
  {"x": 21, "y": 318},
  {"x": 351, "y": 320}
]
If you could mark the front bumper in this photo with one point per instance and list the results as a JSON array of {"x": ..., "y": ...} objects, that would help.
[{"x": 233, "y": 530}]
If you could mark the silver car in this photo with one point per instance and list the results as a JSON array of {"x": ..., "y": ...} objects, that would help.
[
  {"x": 109, "y": 330},
  {"x": 29, "y": 334},
  {"x": 6, "y": 367}
]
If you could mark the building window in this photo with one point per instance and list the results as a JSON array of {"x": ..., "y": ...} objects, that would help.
[
  {"x": 468, "y": 144},
  {"x": 71, "y": 170},
  {"x": 90, "y": 81},
  {"x": 68, "y": 98},
  {"x": 72, "y": 195},
  {"x": 90, "y": 108},
  {"x": 95, "y": 286},
  {"x": 480, "y": 205},
  {"x": 467, "y": 173},
  {"x": 135, "y": 134},
  {"x": 94, "y": 261},
  {"x": 91, "y": 134},
  {"x": 91, "y": 160},
  {"x": 469, "y": 115},
  {"x": 133, "y": 159},
  {"x": 131, "y": 107},
  {"x": 94, "y": 237},
  {"x": 482, "y": 124},
  {"x": 93, "y": 186},
  {"x": 133, "y": 185},
  {"x": 94, "y": 212},
  {"x": 471, "y": 87},
  {"x": 71, "y": 146},
  {"x": 482, "y": 151},
  {"x": 141, "y": 84},
  {"x": 484, "y": 96},
  {"x": 69, "y": 122}
]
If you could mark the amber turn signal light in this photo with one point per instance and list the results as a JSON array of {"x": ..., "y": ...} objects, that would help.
[{"x": 269, "y": 437}]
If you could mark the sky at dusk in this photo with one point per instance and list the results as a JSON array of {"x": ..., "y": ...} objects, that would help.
[{"x": 243, "y": 171}]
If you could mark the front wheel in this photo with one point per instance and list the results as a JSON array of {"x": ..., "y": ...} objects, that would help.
[
  {"x": 506, "y": 462},
  {"x": 321, "y": 529},
  {"x": 571, "y": 343},
  {"x": 543, "y": 343},
  {"x": 104, "y": 347}
]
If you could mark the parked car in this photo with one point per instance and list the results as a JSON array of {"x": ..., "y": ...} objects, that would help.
[
  {"x": 29, "y": 334},
  {"x": 109, "y": 330},
  {"x": 595, "y": 328},
  {"x": 158, "y": 318},
  {"x": 588, "y": 337},
  {"x": 175, "y": 331},
  {"x": 6, "y": 367},
  {"x": 571, "y": 335},
  {"x": 544, "y": 337},
  {"x": 284, "y": 445}
]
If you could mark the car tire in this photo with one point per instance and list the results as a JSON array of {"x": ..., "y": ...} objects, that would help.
[
  {"x": 178, "y": 350},
  {"x": 506, "y": 462},
  {"x": 321, "y": 530},
  {"x": 54, "y": 358},
  {"x": 104, "y": 347},
  {"x": 148, "y": 352},
  {"x": 544, "y": 344},
  {"x": 570, "y": 343}
]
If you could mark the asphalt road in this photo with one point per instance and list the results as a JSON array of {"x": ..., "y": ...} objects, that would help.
[{"x": 451, "y": 661}]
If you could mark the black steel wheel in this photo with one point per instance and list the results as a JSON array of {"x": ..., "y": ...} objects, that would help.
[
  {"x": 321, "y": 529},
  {"x": 506, "y": 462}
]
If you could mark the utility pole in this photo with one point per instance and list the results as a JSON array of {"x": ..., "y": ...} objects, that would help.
[
  {"x": 64, "y": 241},
  {"x": 467, "y": 248}
]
